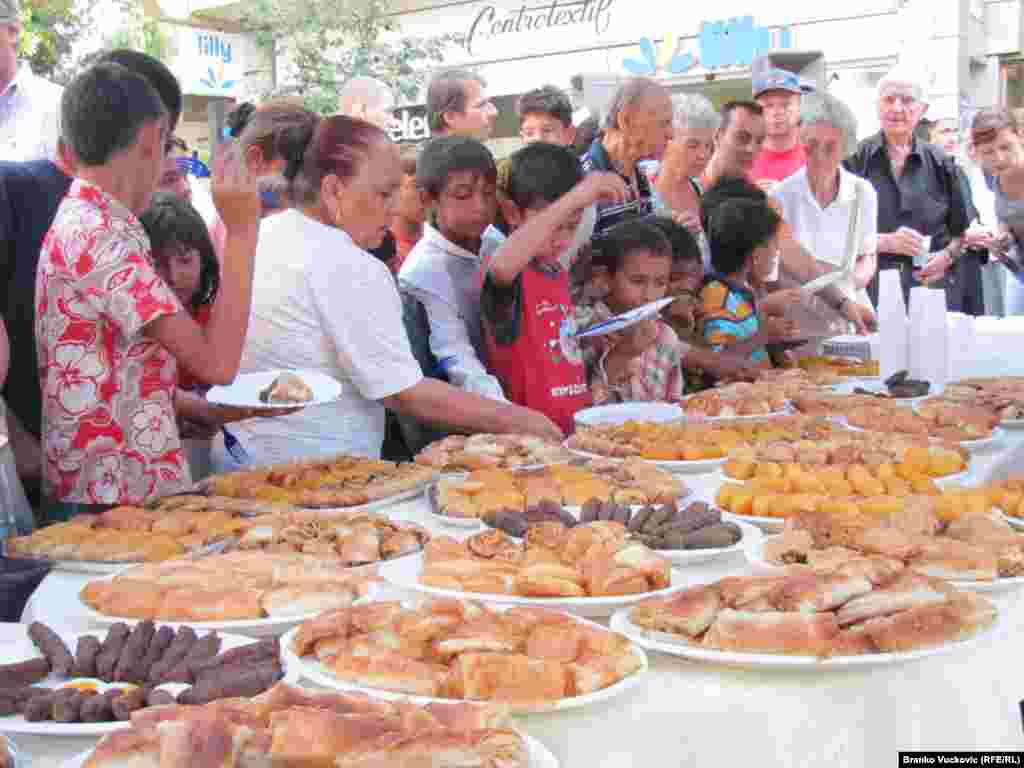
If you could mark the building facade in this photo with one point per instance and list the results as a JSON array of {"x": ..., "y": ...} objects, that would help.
[{"x": 969, "y": 48}]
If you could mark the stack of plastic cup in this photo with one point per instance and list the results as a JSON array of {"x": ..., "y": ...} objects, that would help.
[{"x": 892, "y": 324}]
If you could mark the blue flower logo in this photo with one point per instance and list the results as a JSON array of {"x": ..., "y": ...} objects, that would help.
[
  {"x": 214, "y": 80},
  {"x": 676, "y": 63}
]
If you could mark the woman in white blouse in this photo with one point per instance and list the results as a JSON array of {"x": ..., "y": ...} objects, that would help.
[
  {"x": 819, "y": 200},
  {"x": 321, "y": 302}
]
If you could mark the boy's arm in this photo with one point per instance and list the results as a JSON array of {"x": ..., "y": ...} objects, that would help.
[
  {"x": 213, "y": 354},
  {"x": 453, "y": 349},
  {"x": 532, "y": 235}
]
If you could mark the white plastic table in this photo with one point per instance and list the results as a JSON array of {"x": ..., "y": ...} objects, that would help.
[{"x": 690, "y": 714}]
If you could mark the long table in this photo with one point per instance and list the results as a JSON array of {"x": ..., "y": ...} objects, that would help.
[{"x": 688, "y": 713}]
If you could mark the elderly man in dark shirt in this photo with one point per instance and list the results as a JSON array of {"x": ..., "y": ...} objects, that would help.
[{"x": 918, "y": 191}]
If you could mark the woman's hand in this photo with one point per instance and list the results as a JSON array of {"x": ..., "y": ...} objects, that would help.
[{"x": 234, "y": 190}]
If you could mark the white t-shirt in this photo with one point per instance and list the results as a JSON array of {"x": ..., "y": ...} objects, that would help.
[
  {"x": 320, "y": 302},
  {"x": 823, "y": 232},
  {"x": 446, "y": 279}
]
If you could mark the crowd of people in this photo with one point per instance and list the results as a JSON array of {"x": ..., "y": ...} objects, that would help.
[{"x": 445, "y": 289}]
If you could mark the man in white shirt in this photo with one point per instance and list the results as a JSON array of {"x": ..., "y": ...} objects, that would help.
[{"x": 29, "y": 105}]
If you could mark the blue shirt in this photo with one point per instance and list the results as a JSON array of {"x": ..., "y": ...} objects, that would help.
[{"x": 29, "y": 196}]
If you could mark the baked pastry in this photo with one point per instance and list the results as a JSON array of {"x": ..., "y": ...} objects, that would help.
[
  {"x": 491, "y": 492},
  {"x": 339, "y": 482},
  {"x": 234, "y": 586},
  {"x": 290, "y": 726},
  {"x": 975, "y": 547},
  {"x": 592, "y": 561},
  {"x": 818, "y": 613},
  {"x": 458, "y": 453},
  {"x": 464, "y": 650},
  {"x": 287, "y": 388}
]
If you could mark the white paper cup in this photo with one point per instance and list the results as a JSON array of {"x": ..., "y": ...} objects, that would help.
[{"x": 922, "y": 256}]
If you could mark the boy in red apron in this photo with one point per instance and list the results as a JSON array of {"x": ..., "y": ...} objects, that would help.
[{"x": 527, "y": 313}]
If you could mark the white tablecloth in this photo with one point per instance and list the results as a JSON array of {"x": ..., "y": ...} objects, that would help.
[{"x": 698, "y": 714}]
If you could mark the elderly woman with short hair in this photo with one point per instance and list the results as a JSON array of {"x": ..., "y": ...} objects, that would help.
[
  {"x": 820, "y": 200},
  {"x": 694, "y": 122}
]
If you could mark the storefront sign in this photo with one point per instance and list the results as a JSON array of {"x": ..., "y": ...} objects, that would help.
[
  {"x": 206, "y": 63},
  {"x": 492, "y": 22},
  {"x": 733, "y": 43},
  {"x": 410, "y": 125}
]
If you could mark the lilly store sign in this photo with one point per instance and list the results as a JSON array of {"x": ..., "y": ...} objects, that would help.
[
  {"x": 208, "y": 63},
  {"x": 734, "y": 42}
]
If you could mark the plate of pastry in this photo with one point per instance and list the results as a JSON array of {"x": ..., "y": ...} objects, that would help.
[
  {"x": 567, "y": 487},
  {"x": 328, "y": 484},
  {"x": 277, "y": 389},
  {"x": 465, "y": 453},
  {"x": 531, "y": 659},
  {"x": 811, "y": 620},
  {"x": 290, "y": 725},
  {"x": 694, "y": 446},
  {"x": 58, "y": 683},
  {"x": 252, "y": 593},
  {"x": 685, "y": 534},
  {"x": 620, "y": 413},
  {"x": 589, "y": 570},
  {"x": 125, "y": 535},
  {"x": 978, "y": 553}
]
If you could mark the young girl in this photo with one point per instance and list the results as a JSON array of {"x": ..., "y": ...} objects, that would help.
[{"x": 184, "y": 257}]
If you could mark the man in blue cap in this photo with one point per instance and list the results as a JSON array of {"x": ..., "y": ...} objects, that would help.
[{"x": 778, "y": 92}]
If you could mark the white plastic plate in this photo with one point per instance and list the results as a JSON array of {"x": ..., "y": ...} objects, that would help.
[
  {"x": 311, "y": 669},
  {"x": 539, "y": 755},
  {"x": 626, "y": 319},
  {"x": 666, "y": 643},
  {"x": 620, "y": 413},
  {"x": 877, "y": 387},
  {"x": 375, "y": 506},
  {"x": 244, "y": 391},
  {"x": 24, "y": 649},
  {"x": 405, "y": 574}
]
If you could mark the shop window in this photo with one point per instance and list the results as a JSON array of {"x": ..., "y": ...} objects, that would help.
[{"x": 1013, "y": 84}]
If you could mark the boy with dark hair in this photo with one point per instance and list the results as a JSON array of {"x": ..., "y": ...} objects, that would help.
[
  {"x": 456, "y": 181},
  {"x": 743, "y": 235},
  {"x": 643, "y": 362},
  {"x": 109, "y": 329},
  {"x": 29, "y": 196},
  {"x": 545, "y": 114},
  {"x": 529, "y": 321}
]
